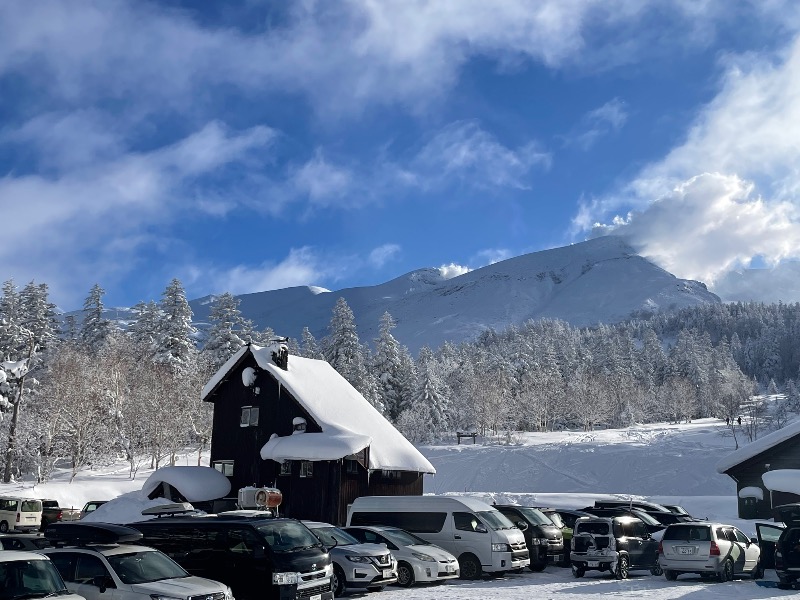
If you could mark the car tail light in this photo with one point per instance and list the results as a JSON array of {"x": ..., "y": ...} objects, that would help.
[
  {"x": 714, "y": 550},
  {"x": 59, "y": 515},
  {"x": 660, "y": 548}
]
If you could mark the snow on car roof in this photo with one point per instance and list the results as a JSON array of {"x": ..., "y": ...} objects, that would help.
[{"x": 348, "y": 421}]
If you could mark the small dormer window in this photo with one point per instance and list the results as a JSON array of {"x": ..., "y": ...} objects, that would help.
[{"x": 249, "y": 416}]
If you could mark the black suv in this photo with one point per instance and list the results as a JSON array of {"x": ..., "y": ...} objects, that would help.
[
  {"x": 544, "y": 540},
  {"x": 780, "y": 544},
  {"x": 257, "y": 556},
  {"x": 613, "y": 544}
]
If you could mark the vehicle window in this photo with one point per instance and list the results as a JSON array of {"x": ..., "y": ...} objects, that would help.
[
  {"x": 8, "y": 504},
  {"x": 333, "y": 536},
  {"x": 595, "y": 528},
  {"x": 243, "y": 541},
  {"x": 688, "y": 533},
  {"x": 638, "y": 529},
  {"x": 12, "y": 544},
  {"x": 467, "y": 522},
  {"x": 144, "y": 567},
  {"x": 31, "y": 506},
  {"x": 29, "y": 578},
  {"x": 404, "y": 538},
  {"x": 740, "y": 537},
  {"x": 556, "y": 519},
  {"x": 729, "y": 535},
  {"x": 495, "y": 519},
  {"x": 88, "y": 567},
  {"x": 569, "y": 519},
  {"x": 288, "y": 536},
  {"x": 533, "y": 515},
  {"x": 417, "y": 522},
  {"x": 359, "y": 534},
  {"x": 65, "y": 563}
]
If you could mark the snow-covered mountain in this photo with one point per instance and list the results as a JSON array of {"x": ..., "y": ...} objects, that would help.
[{"x": 600, "y": 280}]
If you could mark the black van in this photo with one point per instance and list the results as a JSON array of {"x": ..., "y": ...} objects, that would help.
[
  {"x": 257, "y": 556},
  {"x": 544, "y": 540}
]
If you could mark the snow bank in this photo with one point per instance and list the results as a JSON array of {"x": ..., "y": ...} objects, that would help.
[
  {"x": 782, "y": 480},
  {"x": 125, "y": 509},
  {"x": 196, "y": 484}
]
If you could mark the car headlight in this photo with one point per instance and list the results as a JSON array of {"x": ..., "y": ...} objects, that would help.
[
  {"x": 356, "y": 558},
  {"x": 285, "y": 578},
  {"x": 501, "y": 548},
  {"x": 422, "y": 556},
  {"x": 328, "y": 570},
  {"x": 228, "y": 593},
  {"x": 538, "y": 541}
]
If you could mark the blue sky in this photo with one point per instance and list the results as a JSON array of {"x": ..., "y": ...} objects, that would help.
[{"x": 247, "y": 146}]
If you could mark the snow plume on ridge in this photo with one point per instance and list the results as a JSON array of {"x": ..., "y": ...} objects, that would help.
[{"x": 453, "y": 270}]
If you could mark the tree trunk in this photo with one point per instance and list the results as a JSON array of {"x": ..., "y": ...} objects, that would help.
[{"x": 12, "y": 433}]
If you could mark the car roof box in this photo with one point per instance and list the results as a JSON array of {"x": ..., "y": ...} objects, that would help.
[
  {"x": 177, "y": 508},
  {"x": 79, "y": 534}
]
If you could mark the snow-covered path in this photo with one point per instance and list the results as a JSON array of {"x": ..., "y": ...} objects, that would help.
[{"x": 558, "y": 584}]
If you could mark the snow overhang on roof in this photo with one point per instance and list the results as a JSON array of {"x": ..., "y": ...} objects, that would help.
[
  {"x": 327, "y": 445},
  {"x": 758, "y": 446},
  {"x": 196, "y": 484},
  {"x": 782, "y": 480},
  {"x": 751, "y": 491}
]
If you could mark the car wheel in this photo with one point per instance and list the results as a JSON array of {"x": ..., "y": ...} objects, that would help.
[
  {"x": 621, "y": 572},
  {"x": 405, "y": 574},
  {"x": 338, "y": 581},
  {"x": 537, "y": 568},
  {"x": 758, "y": 572},
  {"x": 3, "y": 526},
  {"x": 578, "y": 572},
  {"x": 671, "y": 575},
  {"x": 726, "y": 572},
  {"x": 656, "y": 570},
  {"x": 469, "y": 566}
]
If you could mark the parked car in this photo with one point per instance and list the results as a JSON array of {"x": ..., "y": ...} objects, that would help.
[
  {"x": 653, "y": 526},
  {"x": 780, "y": 544},
  {"x": 23, "y": 541},
  {"x": 613, "y": 544},
  {"x": 53, "y": 513},
  {"x": 676, "y": 508},
  {"x": 97, "y": 557},
  {"x": 544, "y": 540},
  {"x": 257, "y": 555},
  {"x": 355, "y": 565},
  {"x": 91, "y": 506},
  {"x": 477, "y": 534},
  {"x": 564, "y": 519},
  {"x": 640, "y": 504},
  {"x": 709, "y": 549},
  {"x": 418, "y": 561},
  {"x": 31, "y": 575},
  {"x": 22, "y": 514}
]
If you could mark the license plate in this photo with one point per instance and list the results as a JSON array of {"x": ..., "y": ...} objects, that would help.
[
  {"x": 316, "y": 597},
  {"x": 593, "y": 563},
  {"x": 30, "y": 518},
  {"x": 387, "y": 573},
  {"x": 450, "y": 568},
  {"x": 685, "y": 550}
]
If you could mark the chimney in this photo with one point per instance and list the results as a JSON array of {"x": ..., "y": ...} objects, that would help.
[{"x": 280, "y": 353}]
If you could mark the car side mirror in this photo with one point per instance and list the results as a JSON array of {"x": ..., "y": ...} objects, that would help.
[
  {"x": 481, "y": 528},
  {"x": 522, "y": 525},
  {"x": 754, "y": 541}
]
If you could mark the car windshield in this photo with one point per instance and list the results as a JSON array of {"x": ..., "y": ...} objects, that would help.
[
  {"x": 145, "y": 566},
  {"x": 534, "y": 516},
  {"x": 495, "y": 519},
  {"x": 404, "y": 538},
  {"x": 594, "y": 528},
  {"x": 700, "y": 533},
  {"x": 333, "y": 536},
  {"x": 288, "y": 536},
  {"x": 648, "y": 520},
  {"x": 20, "y": 579},
  {"x": 556, "y": 519}
]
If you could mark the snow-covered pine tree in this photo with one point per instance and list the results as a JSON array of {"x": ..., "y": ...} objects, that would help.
[
  {"x": 174, "y": 342},
  {"x": 431, "y": 392},
  {"x": 144, "y": 330},
  {"x": 224, "y": 337},
  {"x": 309, "y": 347},
  {"x": 387, "y": 366},
  {"x": 95, "y": 327}
]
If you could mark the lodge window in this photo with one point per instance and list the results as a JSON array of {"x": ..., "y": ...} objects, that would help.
[
  {"x": 224, "y": 466},
  {"x": 351, "y": 466},
  {"x": 393, "y": 475},
  {"x": 249, "y": 416},
  {"x": 306, "y": 468},
  {"x": 286, "y": 468}
]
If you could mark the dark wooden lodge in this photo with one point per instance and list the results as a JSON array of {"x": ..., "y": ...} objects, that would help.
[
  {"x": 297, "y": 425},
  {"x": 747, "y": 466}
]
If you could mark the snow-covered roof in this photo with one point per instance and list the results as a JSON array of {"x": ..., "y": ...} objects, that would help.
[
  {"x": 196, "y": 484},
  {"x": 751, "y": 491},
  {"x": 782, "y": 480},
  {"x": 348, "y": 421},
  {"x": 758, "y": 446}
]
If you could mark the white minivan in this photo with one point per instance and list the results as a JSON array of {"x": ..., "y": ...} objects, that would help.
[
  {"x": 23, "y": 514},
  {"x": 477, "y": 534}
]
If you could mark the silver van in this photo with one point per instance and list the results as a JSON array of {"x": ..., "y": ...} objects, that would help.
[
  {"x": 22, "y": 514},
  {"x": 477, "y": 534}
]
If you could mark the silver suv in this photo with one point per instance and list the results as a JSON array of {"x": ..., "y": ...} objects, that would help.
[{"x": 710, "y": 549}]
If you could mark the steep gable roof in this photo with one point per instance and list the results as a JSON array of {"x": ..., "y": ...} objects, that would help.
[
  {"x": 758, "y": 446},
  {"x": 348, "y": 421}
]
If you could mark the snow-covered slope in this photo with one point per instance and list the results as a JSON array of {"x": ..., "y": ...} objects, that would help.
[{"x": 601, "y": 280}]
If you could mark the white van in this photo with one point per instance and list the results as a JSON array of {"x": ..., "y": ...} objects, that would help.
[
  {"x": 24, "y": 514},
  {"x": 477, "y": 534}
]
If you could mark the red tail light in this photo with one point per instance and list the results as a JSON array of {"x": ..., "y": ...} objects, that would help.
[
  {"x": 59, "y": 515},
  {"x": 714, "y": 550},
  {"x": 660, "y": 548}
]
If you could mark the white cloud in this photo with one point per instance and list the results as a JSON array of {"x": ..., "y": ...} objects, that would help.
[
  {"x": 728, "y": 192},
  {"x": 383, "y": 254},
  {"x": 597, "y": 123},
  {"x": 466, "y": 152},
  {"x": 491, "y": 256},
  {"x": 453, "y": 270}
]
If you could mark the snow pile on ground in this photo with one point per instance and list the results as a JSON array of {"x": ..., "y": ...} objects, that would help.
[
  {"x": 126, "y": 508},
  {"x": 196, "y": 484}
]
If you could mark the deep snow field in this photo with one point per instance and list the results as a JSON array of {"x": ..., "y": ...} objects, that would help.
[{"x": 568, "y": 469}]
